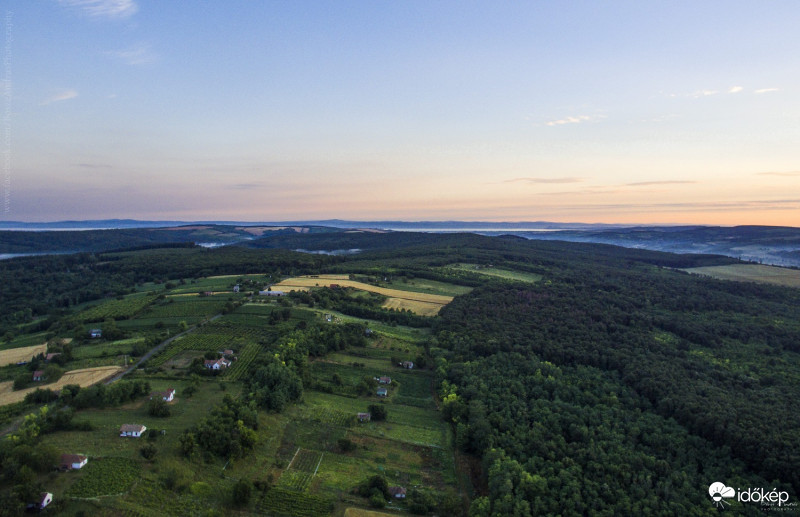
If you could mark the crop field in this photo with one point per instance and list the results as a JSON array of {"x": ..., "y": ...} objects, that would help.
[
  {"x": 281, "y": 502},
  {"x": 244, "y": 358},
  {"x": 427, "y": 304},
  {"x": 105, "y": 476},
  {"x": 305, "y": 461},
  {"x": 751, "y": 273},
  {"x": 84, "y": 377},
  {"x": 116, "y": 309},
  {"x": 187, "y": 307},
  {"x": 358, "y": 512},
  {"x": 16, "y": 355},
  {"x": 415, "y": 306},
  {"x": 520, "y": 276}
]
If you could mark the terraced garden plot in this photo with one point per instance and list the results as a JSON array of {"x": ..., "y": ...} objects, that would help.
[
  {"x": 295, "y": 480},
  {"x": 305, "y": 460}
]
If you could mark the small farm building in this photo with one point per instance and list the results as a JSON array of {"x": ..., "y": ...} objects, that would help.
[
  {"x": 364, "y": 417},
  {"x": 73, "y": 461},
  {"x": 166, "y": 396},
  {"x": 217, "y": 364},
  {"x": 134, "y": 430}
]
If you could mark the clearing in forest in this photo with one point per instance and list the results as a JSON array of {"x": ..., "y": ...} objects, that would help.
[
  {"x": 423, "y": 304},
  {"x": 751, "y": 273},
  {"x": 508, "y": 274}
]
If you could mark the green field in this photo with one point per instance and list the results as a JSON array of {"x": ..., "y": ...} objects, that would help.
[
  {"x": 508, "y": 274},
  {"x": 751, "y": 273}
]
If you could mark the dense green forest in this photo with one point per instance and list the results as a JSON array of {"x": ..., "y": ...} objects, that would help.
[{"x": 613, "y": 384}]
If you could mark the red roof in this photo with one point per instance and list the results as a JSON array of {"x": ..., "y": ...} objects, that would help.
[
  {"x": 72, "y": 458},
  {"x": 38, "y": 373}
]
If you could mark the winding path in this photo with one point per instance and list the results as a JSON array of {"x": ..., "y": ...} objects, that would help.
[{"x": 157, "y": 349}]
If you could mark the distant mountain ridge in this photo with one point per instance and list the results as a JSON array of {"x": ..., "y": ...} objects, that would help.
[{"x": 777, "y": 245}]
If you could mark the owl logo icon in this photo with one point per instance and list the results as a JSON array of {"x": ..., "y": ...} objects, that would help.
[{"x": 719, "y": 492}]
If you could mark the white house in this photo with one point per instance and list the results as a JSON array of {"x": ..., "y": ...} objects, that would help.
[
  {"x": 217, "y": 364},
  {"x": 134, "y": 430},
  {"x": 45, "y": 499},
  {"x": 95, "y": 333},
  {"x": 397, "y": 492},
  {"x": 236, "y": 288},
  {"x": 73, "y": 461},
  {"x": 167, "y": 396},
  {"x": 271, "y": 293}
]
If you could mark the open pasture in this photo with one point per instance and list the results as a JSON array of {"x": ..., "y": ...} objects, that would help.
[
  {"x": 508, "y": 274},
  {"x": 84, "y": 377},
  {"x": 90, "y": 351},
  {"x": 380, "y": 363},
  {"x": 751, "y": 273},
  {"x": 424, "y": 285},
  {"x": 16, "y": 355}
]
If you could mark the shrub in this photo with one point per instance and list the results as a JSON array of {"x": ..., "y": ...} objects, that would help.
[{"x": 148, "y": 451}]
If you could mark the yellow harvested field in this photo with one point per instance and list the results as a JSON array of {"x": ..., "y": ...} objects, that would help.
[
  {"x": 751, "y": 273},
  {"x": 83, "y": 378},
  {"x": 423, "y": 304},
  {"x": 420, "y": 308},
  {"x": 304, "y": 281},
  {"x": 358, "y": 512},
  {"x": 25, "y": 353}
]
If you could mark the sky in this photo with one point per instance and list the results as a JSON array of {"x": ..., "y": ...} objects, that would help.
[{"x": 580, "y": 111}]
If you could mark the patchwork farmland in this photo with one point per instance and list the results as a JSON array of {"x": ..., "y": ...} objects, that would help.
[{"x": 423, "y": 304}]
